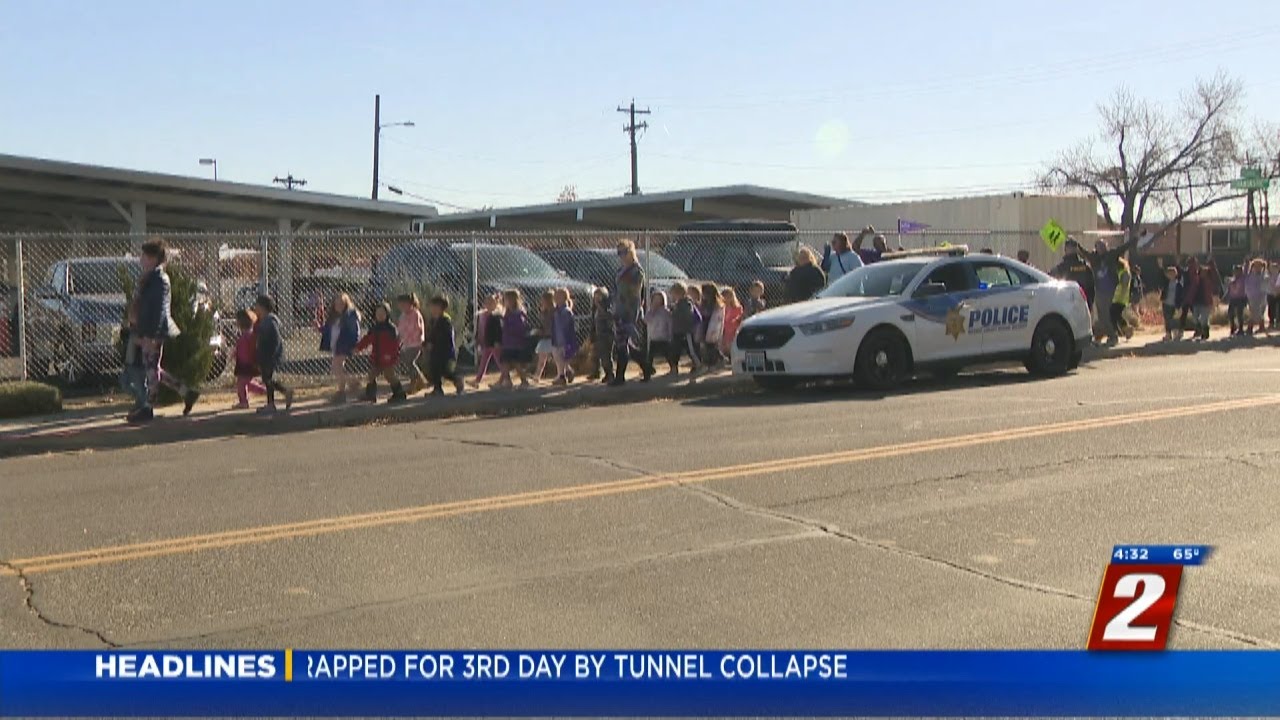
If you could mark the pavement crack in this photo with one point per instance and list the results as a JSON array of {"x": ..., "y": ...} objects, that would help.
[
  {"x": 475, "y": 588},
  {"x": 29, "y": 601},
  {"x": 585, "y": 457},
  {"x": 834, "y": 532}
]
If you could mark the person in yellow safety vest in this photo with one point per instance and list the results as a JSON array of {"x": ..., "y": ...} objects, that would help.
[{"x": 1120, "y": 301}]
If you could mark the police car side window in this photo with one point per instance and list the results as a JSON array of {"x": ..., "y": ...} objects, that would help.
[
  {"x": 953, "y": 275},
  {"x": 994, "y": 275}
]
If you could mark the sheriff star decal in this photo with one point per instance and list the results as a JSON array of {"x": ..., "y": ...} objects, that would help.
[{"x": 955, "y": 323}]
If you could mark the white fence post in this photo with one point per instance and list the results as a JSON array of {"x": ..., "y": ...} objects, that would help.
[
  {"x": 644, "y": 299},
  {"x": 22, "y": 308},
  {"x": 475, "y": 293}
]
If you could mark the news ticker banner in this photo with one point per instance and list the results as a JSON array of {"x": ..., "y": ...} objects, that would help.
[{"x": 632, "y": 683}]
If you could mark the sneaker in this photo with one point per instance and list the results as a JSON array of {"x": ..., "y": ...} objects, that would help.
[
  {"x": 438, "y": 392},
  {"x": 474, "y": 383},
  {"x": 606, "y": 380},
  {"x": 1167, "y": 338},
  {"x": 266, "y": 410},
  {"x": 618, "y": 382},
  {"x": 240, "y": 406},
  {"x": 459, "y": 385},
  {"x": 140, "y": 416},
  {"x": 1128, "y": 332},
  {"x": 524, "y": 385},
  {"x": 397, "y": 398},
  {"x": 288, "y": 398},
  {"x": 189, "y": 401},
  {"x": 560, "y": 381}
]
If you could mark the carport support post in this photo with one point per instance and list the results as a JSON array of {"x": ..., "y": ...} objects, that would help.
[
  {"x": 137, "y": 224},
  {"x": 284, "y": 299}
]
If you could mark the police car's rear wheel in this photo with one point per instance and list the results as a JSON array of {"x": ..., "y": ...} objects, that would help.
[
  {"x": 882, "y": 360},
  {"x": 1051, "y": 349}
]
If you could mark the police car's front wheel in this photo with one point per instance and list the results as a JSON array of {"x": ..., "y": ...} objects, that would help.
[
  {"x": 883, "y": 360},
  {"x": 1051, "y": 349}
]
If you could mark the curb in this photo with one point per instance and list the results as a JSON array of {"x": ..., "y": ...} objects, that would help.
[{"x": 166, "y": 430}]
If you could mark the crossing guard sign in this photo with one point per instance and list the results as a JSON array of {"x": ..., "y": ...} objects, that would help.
[{"x": 1053, "y": 235}]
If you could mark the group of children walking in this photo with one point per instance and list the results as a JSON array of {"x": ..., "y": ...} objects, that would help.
[
  {"x": 1194, "y": 291},
  {"x": 695, "y": 322},
  {"x": 396, "y": 350}
]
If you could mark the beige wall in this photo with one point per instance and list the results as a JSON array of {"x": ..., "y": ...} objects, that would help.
[{"x": 1013, "y": 220}]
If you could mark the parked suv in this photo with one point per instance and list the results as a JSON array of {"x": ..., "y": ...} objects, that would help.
[
  {"x": 737, "y": 253},
  {"x": 74, "y": 321},
  {"x": 445, "y": 266},
  {"x": 599, "y": 267}
]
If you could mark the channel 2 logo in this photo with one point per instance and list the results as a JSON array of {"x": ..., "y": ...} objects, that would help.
[{"x": 1139, "y": 594}]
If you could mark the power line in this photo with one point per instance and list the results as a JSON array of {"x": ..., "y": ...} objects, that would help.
[
  {"x": 973, "y": 82},
  {"x": 630, "y": 128}
]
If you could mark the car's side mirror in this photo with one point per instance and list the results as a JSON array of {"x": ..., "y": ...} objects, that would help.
[{"x": 931, "y": 290}]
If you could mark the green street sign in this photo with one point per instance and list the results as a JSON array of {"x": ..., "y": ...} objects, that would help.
[
  {"x": 1250, "y": 173},
  {"x": 1258, "y": 183}
]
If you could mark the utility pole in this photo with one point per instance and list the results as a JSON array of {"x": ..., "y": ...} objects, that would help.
[
  {"x": 631, "y": 128},
  {"x": 289, "y": 181},
  {"x": 377, "y": 131}
]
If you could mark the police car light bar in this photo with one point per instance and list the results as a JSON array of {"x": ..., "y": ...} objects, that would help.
[{"x": 947, "y": 251}]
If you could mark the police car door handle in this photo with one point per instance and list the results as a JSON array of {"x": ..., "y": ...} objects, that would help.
[{"x": 909, "y": 317}]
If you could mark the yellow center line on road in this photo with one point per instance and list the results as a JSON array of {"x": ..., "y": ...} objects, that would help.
[{"x": 324, "y": 526}]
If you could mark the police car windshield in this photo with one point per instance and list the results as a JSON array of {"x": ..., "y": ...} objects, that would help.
[{"x": 883, "y": 279}]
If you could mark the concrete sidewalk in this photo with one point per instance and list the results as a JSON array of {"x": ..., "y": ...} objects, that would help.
[{"x": 102, "y": 426}]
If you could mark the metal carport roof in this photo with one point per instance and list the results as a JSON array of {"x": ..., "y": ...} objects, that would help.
[
  {"x": 51, "y": 195},
  {"x": 666, "y": 210}
]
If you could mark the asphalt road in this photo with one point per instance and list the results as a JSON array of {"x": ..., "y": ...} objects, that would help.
[{"x": 975, "y": 514}]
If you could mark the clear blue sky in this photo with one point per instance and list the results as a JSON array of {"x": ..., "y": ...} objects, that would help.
[{"x": 514, "y": 100}]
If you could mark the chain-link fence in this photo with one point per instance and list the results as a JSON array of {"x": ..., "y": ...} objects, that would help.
[{"x": 63, "y": 296}]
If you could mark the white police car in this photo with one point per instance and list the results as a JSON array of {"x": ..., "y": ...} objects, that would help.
[{"x": 934, "y": 311}]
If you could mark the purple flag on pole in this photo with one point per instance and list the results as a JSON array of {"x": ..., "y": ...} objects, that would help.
[{"x": 906, "y": 227}]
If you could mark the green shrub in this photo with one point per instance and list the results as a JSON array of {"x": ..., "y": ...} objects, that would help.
[
  {"x": 18, "y": 399},
  {"x": 188, "y": 356}
]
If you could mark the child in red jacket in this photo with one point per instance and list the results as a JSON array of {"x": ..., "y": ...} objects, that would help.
[
  {"x": 247, "y": 360},
  {"x": 384, "y": 355}
]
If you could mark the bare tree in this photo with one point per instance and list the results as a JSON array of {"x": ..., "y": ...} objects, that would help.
[
  {"x": 1263, "y": 154},
  {"x": 1146, "y": 157}
]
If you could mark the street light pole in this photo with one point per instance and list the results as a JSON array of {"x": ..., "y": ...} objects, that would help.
[
  {"x": 377, "y": 131},
  {"x": 213, "y": 162},
  {"x": 377, "y": 137}
]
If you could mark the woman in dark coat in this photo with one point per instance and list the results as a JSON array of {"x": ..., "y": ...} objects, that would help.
[{"x": 805, "y": 279}]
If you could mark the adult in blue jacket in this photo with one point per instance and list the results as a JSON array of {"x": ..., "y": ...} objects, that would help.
[
  {"x": 151, "y": 324},
  {"x": 839, "y": 258}
]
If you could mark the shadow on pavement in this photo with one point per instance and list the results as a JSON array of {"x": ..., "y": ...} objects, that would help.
[{"x": 844, "y": 390}]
